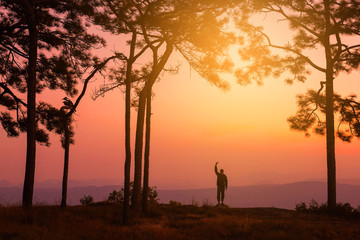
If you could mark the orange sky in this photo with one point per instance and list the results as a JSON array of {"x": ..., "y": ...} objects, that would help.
[{"x": 194, "y": 125}]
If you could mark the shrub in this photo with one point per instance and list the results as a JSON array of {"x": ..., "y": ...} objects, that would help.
[
  {"x": 87, "y": 200},
  {"x": 118, "y": 196},
  {"x": 345, "y": 209},
  {"x": 341, "y": 209},
  {"x": 301, "y": 207},
  {"x": 153, "y": 195},
  {"x": 313, "y": 206},
  {"x": 174, "y": 203}
]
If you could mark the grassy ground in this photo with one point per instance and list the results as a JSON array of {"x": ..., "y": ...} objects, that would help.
[{"x": 172, "y": 222}]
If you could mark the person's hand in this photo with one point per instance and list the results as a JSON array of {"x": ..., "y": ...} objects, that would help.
[{"x": 217, "y": 163}]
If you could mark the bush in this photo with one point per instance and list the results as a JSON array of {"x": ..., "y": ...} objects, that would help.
[
  {"x": 341, "y": 209},
  {"x": 345, "y": 209},
  {"x": 174, "y": 203},
  {"x": 301, "y": 207},
  {"x": 118, "y": 196},
  {"x": 87, "y": 200},
  {"x": 313, "y": 206},
  {"x": 153, "y": 195}
]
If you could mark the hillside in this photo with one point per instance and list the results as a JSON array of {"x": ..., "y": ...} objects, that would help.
[{"x": 172, "y": 222}]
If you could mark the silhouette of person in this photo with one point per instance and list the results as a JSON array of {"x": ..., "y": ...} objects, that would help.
[{"x": 222, "y": 184}]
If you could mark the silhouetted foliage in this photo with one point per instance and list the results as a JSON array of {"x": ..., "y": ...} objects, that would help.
[
  {"x": 173, "y": 203},
  {"x": 350, "y": 116},
  {"x": 63, "y": 49},
  {"x": 311, "y": 107},
  {"x": 341, "y": 209},
  {"x": 87, "y": 200},
  {"x": 118, "y": 196}
]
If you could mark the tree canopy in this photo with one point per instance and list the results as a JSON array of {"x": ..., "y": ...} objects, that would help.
[{"x": 64, "y": 54}]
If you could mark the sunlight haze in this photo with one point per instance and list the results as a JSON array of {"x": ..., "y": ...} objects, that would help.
[{"x": 194, "y": 125}]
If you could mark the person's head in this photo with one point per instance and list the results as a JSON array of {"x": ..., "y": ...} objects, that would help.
[{"x": 222, "y": 171}]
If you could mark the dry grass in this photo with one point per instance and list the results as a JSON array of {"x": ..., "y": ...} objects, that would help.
[{"x": 172, "y": 222}]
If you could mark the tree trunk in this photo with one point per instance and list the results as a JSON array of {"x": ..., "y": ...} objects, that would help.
[
  {"x": 66, "y": 164},
  {"x": 127, "y": 164},
  {"x": 31, "y": 113},
  {"x": 127, "y": 154},
  {"x": 147, "y": 152},
  {"x": 135, "y": 201},
  {"x": 330, "y": 132},
  {"x": 330, "y": 144},
  {"x": 157, "y": 68}
]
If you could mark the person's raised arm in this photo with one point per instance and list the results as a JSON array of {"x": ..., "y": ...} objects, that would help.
[{"x": 216, "y": 170}]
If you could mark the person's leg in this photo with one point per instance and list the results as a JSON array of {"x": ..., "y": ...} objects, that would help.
[
  {"x": 222, "y": 195},
  {"x": 218, "y": 195}
]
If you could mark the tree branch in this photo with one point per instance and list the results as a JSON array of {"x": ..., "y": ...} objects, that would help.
[
  {"x": 86, "y": 82},
  {"x": 291, "y": 50},
  {"x": 7, "y": 90},
  {"x": 317, "y": 98},
  {"x": 281, "y": 11}
]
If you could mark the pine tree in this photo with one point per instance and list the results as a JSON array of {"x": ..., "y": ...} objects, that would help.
[
  {"x": 44, "y": 45},
  {"x": 193, "y": 28},
  {"x": 317, "y": 25}
]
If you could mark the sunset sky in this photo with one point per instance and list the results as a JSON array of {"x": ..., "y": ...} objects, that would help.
[{"x": 194, "y": 125}]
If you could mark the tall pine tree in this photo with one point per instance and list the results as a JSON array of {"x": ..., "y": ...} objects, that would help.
[
  {"x": 322, "y": 26},
  {"x": 43, "y": 45}
]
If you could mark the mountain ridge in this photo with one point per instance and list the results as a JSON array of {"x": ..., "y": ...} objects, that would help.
[{"x": 262, "y": 195}]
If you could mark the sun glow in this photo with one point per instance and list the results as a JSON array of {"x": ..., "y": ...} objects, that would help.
[{"x": 195, "y": 124}]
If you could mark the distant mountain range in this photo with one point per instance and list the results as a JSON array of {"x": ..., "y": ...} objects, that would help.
[
  {"x": 265, "y": 195},
  {"x": 52, "y": 196},
  {"x": 55, "y": 183}
]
